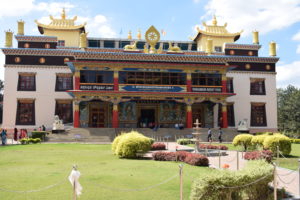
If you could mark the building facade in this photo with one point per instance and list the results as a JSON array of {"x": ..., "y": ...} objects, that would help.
[{"x": 137, "y": 83}]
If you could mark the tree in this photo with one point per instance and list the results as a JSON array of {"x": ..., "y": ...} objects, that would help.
[{"x": 289, "y": 110}]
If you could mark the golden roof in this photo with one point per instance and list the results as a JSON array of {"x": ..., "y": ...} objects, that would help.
[
  {"x": 216, "y": 30},
  {"x": 63, "y": 23}
]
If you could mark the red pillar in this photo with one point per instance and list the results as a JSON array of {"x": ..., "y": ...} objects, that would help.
[
  {"x": 224, "y": 84},
  {"x": 224, "y": 116},
  {"x": 189, "y": 82},
  {"x": 77, "y": 80},
  {"x": 116, "y": 81},
  {"x": 76, "y": 116},
  {"x": 115, "y": 116},
  {"x": 189, "y": 117}
]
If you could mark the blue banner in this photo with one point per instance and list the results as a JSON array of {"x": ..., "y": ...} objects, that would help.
[
  {"x": 152, "y": 70},
  {"x": 150, "y": 88}
]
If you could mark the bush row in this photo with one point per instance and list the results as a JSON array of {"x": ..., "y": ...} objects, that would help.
[
  {"x": 182, "y": 156},
  {"x": 184, "y": 141},
  {"x": 257, "y": 155},
  {"x": 30, "y": 140},
  {"x": 224, "y": 184},
  {"x": 39, "y": 134},
  {"x": 128, "y": 145},
  {"x": 210, "y": 146},
  {"x": 266, "y": 141},
  {"x": 295, "y": 141},
  {"x": 158, "y": 146}
]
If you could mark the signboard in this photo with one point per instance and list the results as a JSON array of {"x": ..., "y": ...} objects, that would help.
[
  {"x": 152, "y": 88},
  {"x": 96, "y": 87},
  {"x": 152, "y": 70},
  {"x": 206, "y": 89}
]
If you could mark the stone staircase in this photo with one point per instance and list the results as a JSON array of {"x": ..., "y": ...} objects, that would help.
[{"x": 107, "y": 135}]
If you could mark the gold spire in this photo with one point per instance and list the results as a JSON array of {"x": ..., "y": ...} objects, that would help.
[
  {"x": 129, "y": 35},
  {"x": 139, "y": 35},
  {"x": 214, "y": 21},
  {"x": 21, "y": 27},
  {"x": 8, "y": 38},
  {"x": 63, "y": 14}
]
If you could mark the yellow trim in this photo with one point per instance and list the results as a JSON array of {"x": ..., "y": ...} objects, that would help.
[
  {"x": 116, "y": 74},
  {"x": 224, "y": 78},
  {"x": 188, "y": 108},
  {"x": 115, "y": 107},
  {"x": 76, "y": 107},
  {"x": 224, "y": 108}
]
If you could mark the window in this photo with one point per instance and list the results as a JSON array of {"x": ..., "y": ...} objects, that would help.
[
  {"x": 64, "y": 82},
  {"x": 258, "y": 114},
  {"x": 94, "y": 43},
  {"x": 63, "y": 108},
  {"x": 152, "y": 78},
  {"x": 206, "y": 79},
  {"x": 26, "y": 82},
  {"x": 218, "y": 49},
  {"x": 230, "y": 85},
  {"x": 25, "y": 112},
  {"x": 257, "y": 87},
  {"x": 61, "y": 43},
  {"x": 109, "y": 44},
  {"x": 230, "y": 115},
  {"x": 87, "y": 76}
]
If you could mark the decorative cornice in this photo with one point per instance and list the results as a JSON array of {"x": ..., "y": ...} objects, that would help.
[
  {"x": 37, "y": 52},
  {"x": 37, "y": 66},
  {"x": 30, "y": 38},
  {"x": 242, "y": 46},
  {"x": 251, "y": 72}
]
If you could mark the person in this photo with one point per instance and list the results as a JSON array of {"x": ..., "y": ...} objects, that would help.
[
  {"x": 220, "y": 135},
  {"x": 43, "y": 128},
  {"x": 3, "y": 136},
  {"x": 209, "y": 136},
  {"x": 15, "y": 134}
]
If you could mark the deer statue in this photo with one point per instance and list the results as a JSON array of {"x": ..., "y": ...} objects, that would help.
[
  {"x": 130, "y": 46},
  {"x": 174, "y": 48}
]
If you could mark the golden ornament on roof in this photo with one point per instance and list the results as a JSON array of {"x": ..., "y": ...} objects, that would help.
[{"x": 152, "y": 36}]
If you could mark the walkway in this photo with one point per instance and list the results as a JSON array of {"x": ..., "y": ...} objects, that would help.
[{"x": 287, "y": 179}]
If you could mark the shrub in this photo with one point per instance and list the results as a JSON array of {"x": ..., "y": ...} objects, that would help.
[
  {"x": 282, "y": 141},
  {"x": 129, "y": 144},
  {"x": 185, "y": 141},
  {"x": 223, "y": 184},
  {"x": 164, "y": 156},
  {"x": 158, "y": 146},
  {"x": 181, "y": 155},
  {"x": 264, "y": 133},
  {"x": 256, "y": 155},
  {"x": 152, "y": 140},
  {"x": 243, "y": 140},
  {"x": 36, "y": 140},
  {"x": 38, "y": 134},
  {"x": 295, "y": 141},
  {"x": 196, "y": 159},
  {"x": 116, "y": 143},
  {"x": 258, "y": 140},
  {"x": 209, "y": 146},
  {"x": 24, "y": 141}
]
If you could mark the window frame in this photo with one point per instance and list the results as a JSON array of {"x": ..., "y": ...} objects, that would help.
[
  {"x": 64, "y": 77},
  {"x": 21, "y": 80},
  {"x": 19, "y": 114},
  {"x": 254, "y": 116},
  {"x": 257, "y": 84},
  {"x": 58, "y": 110}
]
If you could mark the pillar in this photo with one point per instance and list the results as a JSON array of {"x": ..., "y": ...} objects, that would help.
[
  {"x": 188, "y": 82},
  {"x": 216, "y": 115},
  {"x": 116, "y": 80},
  {"x": 224, "y": 83},
  {"x": 76, "y": 114},
  {"x": 115, "y": 116},
  {"x": 189, "y": 116},
  {"x": 77, "y": 80},
  {"x": 224, "y": 116}
]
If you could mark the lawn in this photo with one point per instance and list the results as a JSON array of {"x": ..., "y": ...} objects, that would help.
[
  {"x": 291, "y": 162},
  {"x": 103, "y": 176}
]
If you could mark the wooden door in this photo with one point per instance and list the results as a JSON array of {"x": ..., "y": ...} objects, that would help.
[{"x": 97, "y": 118}]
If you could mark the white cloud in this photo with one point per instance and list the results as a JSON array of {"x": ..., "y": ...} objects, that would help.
[
  {"x": 265, "y": 16},
  {"x": 298, "y": 49},
  {"x": 296, "y": 36},
  {"x": 196, "y": 1},
  {"x": 98, "y": 26},
  {"x": 288, "y": 74}
]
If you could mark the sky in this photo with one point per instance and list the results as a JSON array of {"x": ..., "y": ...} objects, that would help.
[{"x": 276, "y": 20}]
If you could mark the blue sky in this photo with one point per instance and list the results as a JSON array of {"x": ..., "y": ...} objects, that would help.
[{"x": 277, "y": 20}]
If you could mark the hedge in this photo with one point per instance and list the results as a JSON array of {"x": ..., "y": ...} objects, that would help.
[
  {"x": 127, "y": 145},
  {"x": 242, "y": 140},
  {"x": 210, "y": 146},
  {"x": 257, "y": 155},
  {"x": 295, "y": 141},
  {"x": 185, "y": 141},
  {"x": 30, "y": 140},
  {"x": 182, "y": 156},
  {"x": 214, "y": 185},
  {"x": 258, "y": 140},
  {"x": 39, "y": 134},
  {"x": 158, "y": 146},
  {"x": 282, "y": 141}
]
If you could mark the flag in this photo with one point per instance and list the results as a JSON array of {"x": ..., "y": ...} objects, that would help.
[
  {"x": 163, "y": 32},
  {"x": 74, "y": 179}
]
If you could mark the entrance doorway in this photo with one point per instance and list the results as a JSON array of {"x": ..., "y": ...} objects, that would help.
[
  {"x": 147, "y": 118},
  {"x": 198, "y": 114},
  {"x": 97, "y": 117}
]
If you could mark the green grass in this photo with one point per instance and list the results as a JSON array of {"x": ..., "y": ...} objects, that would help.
[
  {"x": 291, "y": 162},
  {"x": 31, "y": 167}
]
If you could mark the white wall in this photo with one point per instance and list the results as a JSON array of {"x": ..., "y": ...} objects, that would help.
[
  {"x": 44, "y": 95},
  {"x": 242, "y": 100}
]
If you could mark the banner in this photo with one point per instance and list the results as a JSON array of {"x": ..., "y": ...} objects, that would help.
[
  {"x": 206, "y": 89},
  {"x": 151, "y": 88},
  {"x": 97, "y": 87}
]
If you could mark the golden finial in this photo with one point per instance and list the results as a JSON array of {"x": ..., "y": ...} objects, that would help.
[
  {"x": 214, "y": 21},
  {"x": 272, "y": 48},
  {"x": 83, "y": 40},
  {"x": 139, "y": 35},
  {"x": 129, "y": 35},
  {"x": 255, "y": 37},
  {"x": 8, "y": 38},
  {"x": 21, "y": 27},
  {"x": 63, "y": 14}
]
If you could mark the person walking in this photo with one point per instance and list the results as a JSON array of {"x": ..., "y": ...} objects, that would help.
[
  {"x": 220, "y": 135},
  {"x": 16, "y": 134},
  {"x": 209, "y": 136},
  {"x": 3, "y": 136}
]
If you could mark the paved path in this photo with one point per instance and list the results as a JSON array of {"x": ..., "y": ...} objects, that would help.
[{"x": 288, "y": 179}]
